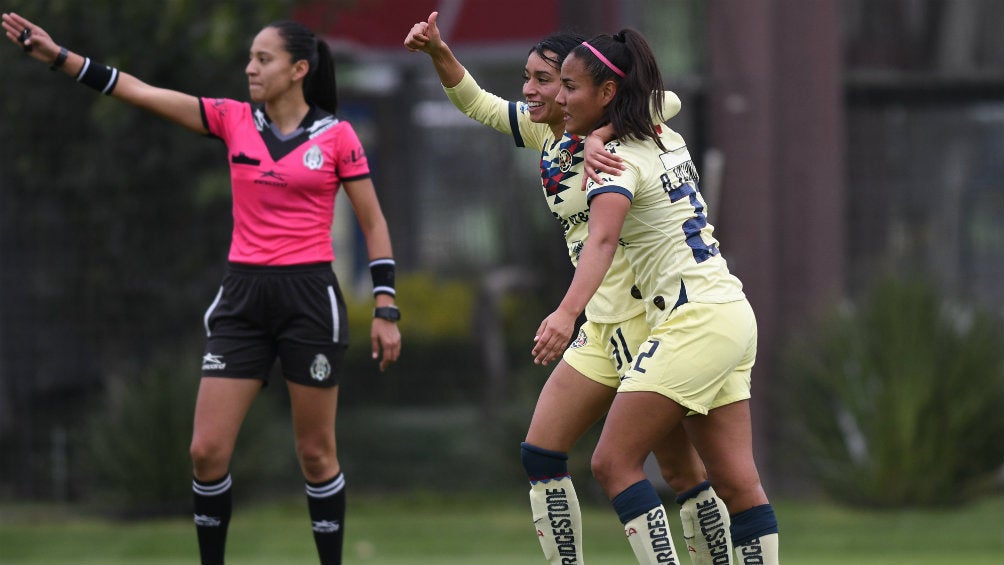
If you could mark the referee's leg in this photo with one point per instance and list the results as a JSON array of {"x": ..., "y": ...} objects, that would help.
[
  {"x": 314, "y": 410},
  {"x": 220, "y": 408}
]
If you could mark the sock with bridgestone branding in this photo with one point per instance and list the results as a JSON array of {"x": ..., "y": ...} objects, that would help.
[
  {"x": 646, "y": 524},
  {"x": 326, "y": 503},
  {"x": 213, "y": 505},
  {"x": 554, "y": 505},
  {"x": 754, "y": 535},
  {"x": 706, "y": 526}
]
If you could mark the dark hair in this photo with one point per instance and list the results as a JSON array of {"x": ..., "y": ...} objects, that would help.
[
  {"x": 638, "y": 91},
  {"x": 561, "y": 44},
  {"x": 319, "y": 87}
]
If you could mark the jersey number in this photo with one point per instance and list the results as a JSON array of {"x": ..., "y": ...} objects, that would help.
[
  {"x": 693, "y": 226},
  {"x": 619, "y": 344},
  {"x": 645, "y": 355}
]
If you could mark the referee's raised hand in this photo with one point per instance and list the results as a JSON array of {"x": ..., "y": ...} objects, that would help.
[{"x": 31, "y": 38}]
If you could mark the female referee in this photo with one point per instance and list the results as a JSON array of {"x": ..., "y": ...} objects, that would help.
[
  {"x": 702, "y": 344},
  {"x": 583, "y": 384},
  {"x": 279, "y": 297}
]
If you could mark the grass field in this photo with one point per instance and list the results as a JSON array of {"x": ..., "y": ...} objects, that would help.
[{"x": 434, "y": 530}]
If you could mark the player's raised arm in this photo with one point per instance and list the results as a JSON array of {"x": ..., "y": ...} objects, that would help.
[
  {"x": 424, "y": 36},
  {"x": 177, "y": 107}
]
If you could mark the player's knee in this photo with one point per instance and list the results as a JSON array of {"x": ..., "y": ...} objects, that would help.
[
  {"x": 603, "y": 467},
  {"x": 739, "y": 490},
  {"x": 681, "y": 480}
]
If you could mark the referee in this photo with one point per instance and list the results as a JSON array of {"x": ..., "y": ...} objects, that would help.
[{"x": 279, "y": 298}]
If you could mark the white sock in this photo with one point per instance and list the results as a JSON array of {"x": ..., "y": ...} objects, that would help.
[
  {"x": 706, "y": 524},
  {"x": 651, "y": 539},
  {"x": 558, "y": 520},
  {"x": 759, "y": 551}
]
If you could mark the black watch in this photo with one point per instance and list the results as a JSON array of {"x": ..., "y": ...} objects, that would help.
[{"x": 390, "y": 313}]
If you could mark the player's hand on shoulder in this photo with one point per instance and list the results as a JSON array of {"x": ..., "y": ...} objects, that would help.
[{"x": 597, "y": 160}]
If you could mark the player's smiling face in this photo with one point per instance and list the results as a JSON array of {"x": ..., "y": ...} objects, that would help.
[
  {"x": 582, "y": 101},
  {"x": 270, "y": 69},
  {"x": 540, "y": 85}
]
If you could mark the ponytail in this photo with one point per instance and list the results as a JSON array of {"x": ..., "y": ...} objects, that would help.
[
  {"x": 319, "y": 87},
  {"x": 640, "y": 88}
]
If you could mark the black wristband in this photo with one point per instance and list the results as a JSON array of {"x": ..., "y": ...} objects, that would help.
[
  {"x": 60, "y": 59},
  {"x": 387, "y": 313},
  {"x": 97, "y": 76},
  {"x": 382, "y": 271}
]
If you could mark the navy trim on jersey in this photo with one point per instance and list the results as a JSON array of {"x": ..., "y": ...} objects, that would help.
[
  {"x": 609, "y": 188},
  {"x": 514, "y": 125}
]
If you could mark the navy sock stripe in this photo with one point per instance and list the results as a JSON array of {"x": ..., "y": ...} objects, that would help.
[
  {"x": 543, "y": 464},
  {"x": 749, "y": 525},
  {"x": 635, "y": 500},
  {"x": 692, "y": 493}
]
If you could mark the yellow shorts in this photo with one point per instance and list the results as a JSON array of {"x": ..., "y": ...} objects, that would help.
[
  {"x": 602, "y": 352},
  {"x": 700, "y": 357}
]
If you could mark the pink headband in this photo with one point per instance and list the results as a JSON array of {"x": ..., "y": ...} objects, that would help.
[{"x": 606, "y": 61}]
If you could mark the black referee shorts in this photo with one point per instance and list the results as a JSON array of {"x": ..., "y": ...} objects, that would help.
[{"x": 294, "y": 313}]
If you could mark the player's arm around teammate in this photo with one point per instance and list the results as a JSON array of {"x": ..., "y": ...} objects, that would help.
[
  {"x": 703, "y": 342},
  {"x": 583, "y": 382}
]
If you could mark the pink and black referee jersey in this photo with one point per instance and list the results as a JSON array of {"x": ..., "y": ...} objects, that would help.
[{"x": 283, "y": 186}]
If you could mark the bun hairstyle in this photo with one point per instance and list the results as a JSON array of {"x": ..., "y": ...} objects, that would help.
[
  {"x": 626, "y": 59},
  {"x": 319, "y": 88}
]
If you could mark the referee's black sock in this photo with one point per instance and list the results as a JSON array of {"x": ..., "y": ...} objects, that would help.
[
  {"x": 326, "y": 502},
  {"x": 212, "y": 516}
]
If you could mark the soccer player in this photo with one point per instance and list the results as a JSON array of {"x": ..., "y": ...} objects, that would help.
[
  {"x": 279, "y": 297},
  {"x": 582, "y": 385},
  {"x": 702, "y": 342}
]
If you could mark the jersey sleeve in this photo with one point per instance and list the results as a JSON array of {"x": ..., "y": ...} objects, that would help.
[
  {"x": 218, "y": 114},
  {"x": 670, "y": 105},
  {"x": 496, "y": 112},
  {"x": 624, "y": 183},
  {"x": 351, "y": 163}
]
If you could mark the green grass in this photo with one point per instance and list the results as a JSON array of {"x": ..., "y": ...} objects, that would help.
[{"x": 432, "y": 529}]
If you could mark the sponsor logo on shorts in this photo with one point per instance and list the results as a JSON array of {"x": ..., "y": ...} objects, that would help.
[
  {"x": 213, "y": 362},
  {"x": 320, "y": 369},
  {"x": 326, "y": 526},
  {"x": 580, "y": 340}
]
